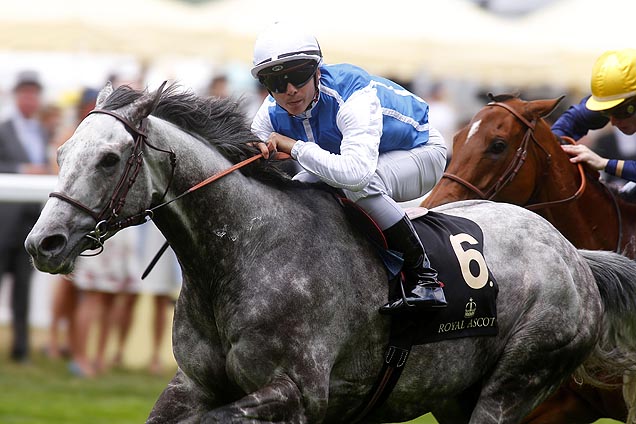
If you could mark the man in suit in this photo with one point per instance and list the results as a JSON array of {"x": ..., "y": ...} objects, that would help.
[{"x": 23, "y": 149}]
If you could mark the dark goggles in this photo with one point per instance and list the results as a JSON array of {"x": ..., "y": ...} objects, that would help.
[
  {"x": 296, "y": 72},
  {"x": 622, "y": 111}
]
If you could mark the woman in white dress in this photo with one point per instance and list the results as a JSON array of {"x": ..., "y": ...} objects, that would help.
[{"x": 101, "y": 280}]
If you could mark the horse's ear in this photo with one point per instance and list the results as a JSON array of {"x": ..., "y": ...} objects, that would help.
[
  {"x": 144, "y": 106},
  {"x": 103, "y": 95},
  {"x": 543, "y": 108}
]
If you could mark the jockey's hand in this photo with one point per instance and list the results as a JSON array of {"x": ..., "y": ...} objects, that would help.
[
  {"x": 277, "y": 143},
  {"x": 263, "y": 148},
  {"x": 581, "y": 153}
]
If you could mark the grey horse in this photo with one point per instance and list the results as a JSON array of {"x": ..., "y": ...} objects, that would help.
[{"x": 277, "y": 320}]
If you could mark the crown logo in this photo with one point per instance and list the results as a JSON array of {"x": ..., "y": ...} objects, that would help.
[{"x": 471, "y": 308}]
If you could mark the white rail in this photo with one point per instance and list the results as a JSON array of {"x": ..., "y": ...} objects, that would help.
[{"x": 26, "y": 188}]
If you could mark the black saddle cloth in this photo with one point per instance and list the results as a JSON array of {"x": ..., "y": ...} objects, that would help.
[{"x": 455, "y": 248}]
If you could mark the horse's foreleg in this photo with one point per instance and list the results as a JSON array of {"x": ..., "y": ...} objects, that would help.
[
  {"x": 178, "y": 403},
  {"x": 279, "y": 401}
]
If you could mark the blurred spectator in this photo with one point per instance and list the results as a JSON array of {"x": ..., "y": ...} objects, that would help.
[
  {"x": 102, "y": 279},
  {"x": 50, "y": 117},
  {"x": 442, "y": 115},
  {"x": 121, "y": 320},
  {"x": 163, "y": 282},
  {"x": 110, "y": 284},
  {"x": 65, "y": 293},
  {"x": 256, "y": 101},
  {"x": 23, "y": 149},
  {"x": 219, "y": 87}
]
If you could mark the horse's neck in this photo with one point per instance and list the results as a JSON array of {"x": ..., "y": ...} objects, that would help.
[
  {"x": 228, "y": 223},
  {"x": 208, "y": 216},
  {"x": 588, "y": 221}
]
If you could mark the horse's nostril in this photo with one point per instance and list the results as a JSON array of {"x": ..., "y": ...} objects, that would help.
[{"x": 53, "y": 243}]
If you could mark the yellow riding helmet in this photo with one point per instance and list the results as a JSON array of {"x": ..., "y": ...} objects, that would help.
[{"x": 613, "y": 79}]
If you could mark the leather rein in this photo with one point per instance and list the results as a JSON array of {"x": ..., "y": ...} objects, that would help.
[
  {"x": 108, "y": 220},
  {"x": 516, "y": 164}
]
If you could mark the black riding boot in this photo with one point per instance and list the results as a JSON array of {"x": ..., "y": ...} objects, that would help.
[{"x": 422, "y": 290}]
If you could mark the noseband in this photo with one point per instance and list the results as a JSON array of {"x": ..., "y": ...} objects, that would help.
[
  {"x": 516, "y": 164},
  {"x": 107, "y": 219}
]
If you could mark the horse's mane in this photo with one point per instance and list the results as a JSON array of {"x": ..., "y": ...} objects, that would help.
[
  {"x": 220, "y": 122},
  {"x": 500, "y": 98}
]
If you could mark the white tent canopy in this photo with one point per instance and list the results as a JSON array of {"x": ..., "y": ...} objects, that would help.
[
  {"x": 145, "y": 28},
  {"x": 400, "y": 40},
  {"x": 567, "y": 37},
  {"x": 556, "y": 45}
]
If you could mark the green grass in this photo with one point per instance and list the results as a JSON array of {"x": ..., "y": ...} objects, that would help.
[
  {"x": 45, "y": 392},
  {"x": 428, "y": 419}
]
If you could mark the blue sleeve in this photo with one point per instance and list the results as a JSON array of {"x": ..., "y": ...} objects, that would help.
[
  {"x": 578, "y": 120},
  {"x": 625, "y": 169}
]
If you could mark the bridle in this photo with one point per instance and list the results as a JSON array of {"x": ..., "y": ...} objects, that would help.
[
  {"x": 516, "y": 164},
  {"x": 107, "y": 219}
]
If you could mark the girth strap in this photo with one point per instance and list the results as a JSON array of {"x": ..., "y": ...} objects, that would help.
[{"x": 395, "y": 357}]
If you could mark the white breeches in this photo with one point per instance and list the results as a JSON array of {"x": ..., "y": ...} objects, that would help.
[{"x": 401, "y": 175}]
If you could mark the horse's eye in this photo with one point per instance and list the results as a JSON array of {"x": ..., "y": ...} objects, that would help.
[
  {"x": 497, "y": 146},
  {"x": 109, "y": 160}
]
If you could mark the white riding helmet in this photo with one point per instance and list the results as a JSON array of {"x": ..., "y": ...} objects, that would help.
[{"x": 283, "y": 43}]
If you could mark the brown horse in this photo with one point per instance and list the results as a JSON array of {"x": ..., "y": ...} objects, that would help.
[{"x": 508, "y": 153}]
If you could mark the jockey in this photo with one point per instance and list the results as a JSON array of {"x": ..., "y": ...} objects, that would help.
[
  {"x": 363, "y": 134},
  {"x": 613, "y": 100}
]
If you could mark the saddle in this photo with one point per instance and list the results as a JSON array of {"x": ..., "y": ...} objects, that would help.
[{"x": 455, "y": 248}]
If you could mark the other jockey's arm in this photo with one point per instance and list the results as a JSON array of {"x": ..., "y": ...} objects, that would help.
[
  {"x": 625, "y": 169},
  {"x": 578, "y": 120}
]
